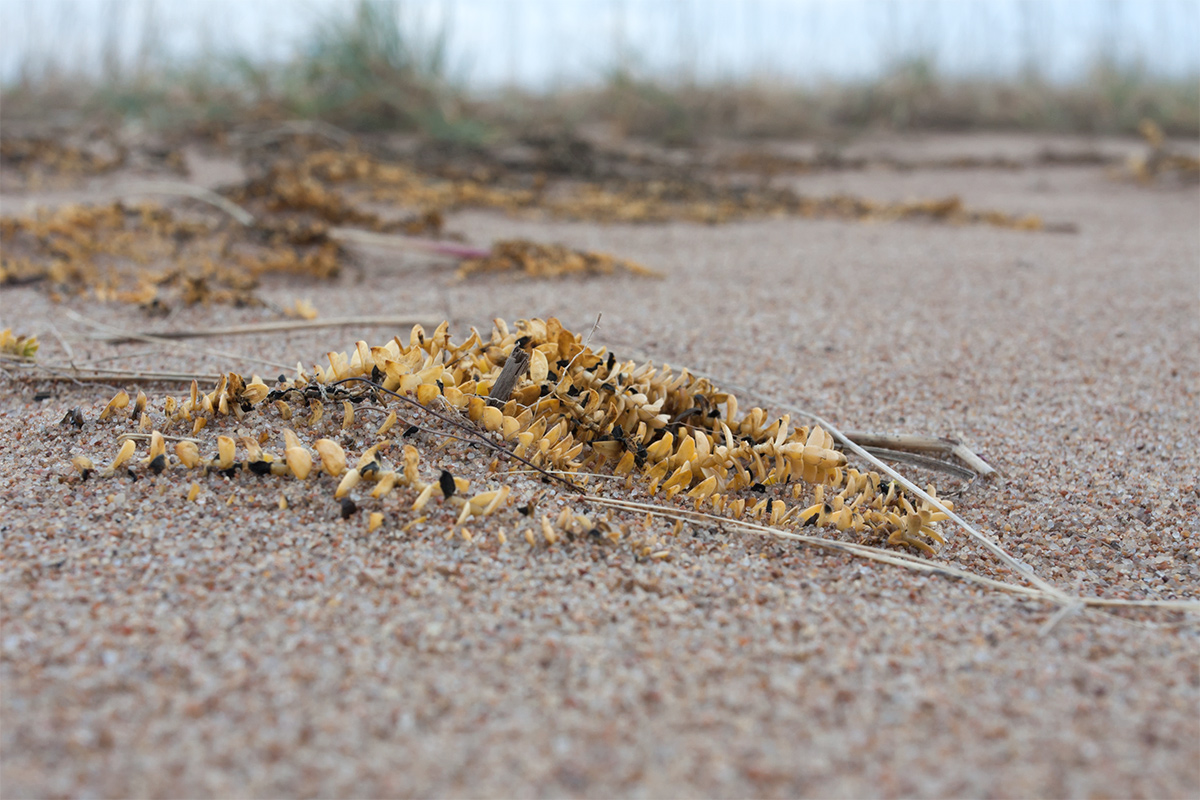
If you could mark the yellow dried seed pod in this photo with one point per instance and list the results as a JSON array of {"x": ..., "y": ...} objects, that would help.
[
  {"x": 120, "y": 400},
  {"x": 493, "y": 418},
  {"x": 347, "y": 414},
  {"x": 626, "y": 464},
  {"x": 705, "y": 488},
  {"x": 188, "y": 454},
  {"x": 316, "y": 412},
  {"x": 255, "y": 392},
  {"x": 348, "y": 482},
  {"x": 375, "y": 521},
  {"x": 124, "y": 454},
  {"x": 539, "y": 367},
  {"x": 548, "y": 532},
  {"x": 411, "y": 458},
  {"x": 290, "y": 439},
  {"x": 660, "y": 449},
  {"x": 426, "y": 392},
  {"x": 285, "y": 411},
  {"x": 226, "y": 449},
  {"x": 424, "y": 496},
  {"x": 158, "y": 446},
  {"x": 387, "y": 424},
  {"x": 82, "y": 463},
  {"x": 193, "y": 492},
  {"x": 509, "y": 427},
  {"x": 385, "y": 484},
  {"x": 299, "y": 461},
  {"x": 333, "y": 457},
  {"x": 454, "y": 396},
  {"x": 250, "y": 445},
  {"x": 475, "y": 407},
  {"x": 371, "y": 453}
]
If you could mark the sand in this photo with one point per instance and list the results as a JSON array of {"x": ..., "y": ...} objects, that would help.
[{"x": 155, "y": 647}]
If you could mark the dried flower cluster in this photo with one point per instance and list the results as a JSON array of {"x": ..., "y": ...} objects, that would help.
[{"x": 573, "y": 408}]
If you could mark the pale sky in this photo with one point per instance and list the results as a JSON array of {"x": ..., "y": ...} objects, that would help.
[{"x": 547, "y": 43}]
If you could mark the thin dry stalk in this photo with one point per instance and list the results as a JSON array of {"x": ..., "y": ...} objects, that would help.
[
  {"x": 131, "y": 336},
  {"x": 281, "y": 326},
  {"x": 915, "y": 443},
  {"x": 179, "y": 189},
  {"x": 393, "y": 241},
  {"x": 897, "y": 558}
]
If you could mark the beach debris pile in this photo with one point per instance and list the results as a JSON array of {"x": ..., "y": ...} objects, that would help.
[
  {"x": 534, "y": 260},
  {"x": 538, "y": 398}
]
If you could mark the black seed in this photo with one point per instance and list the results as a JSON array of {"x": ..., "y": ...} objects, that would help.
[
  {"x": 446, "y": 482},
  {"x": 552, "y": 375},
  {"x": 40, "y": 396},
  {"x": 618, "y": 433},
  {"x": 812, "y": 520},
  {"x": 232, "y": 471},
  {"x": 376, "y": 374},
  {"x": 595, "y": 532},
  {"x": 573, "y": 391},
  {"x": 369, "y": 469},
  {"x": 83, "y": 476},
  {"x": 73, "y": 417},
  {"x": 349, "y": 507},
  {"x": 410, "y": 431},
  {"x": 281, "y": 379},
  {"x": 522, "y": 343},
  {"x": 133, "y": 475},
  {"x": 441, "y": 388},
  {"x": 525, "y": 510},
  {"x": 260, "y": 467},
  {"x": 758, "y": 487},
  {"x": 714, "y": 414},
  {"x": 562, "y": 363},
  {"x": 545, "y": 390},
  {"x": 159, "y": 463},
  {"x": 608, "y": 387},
  {"x": 612, "y": 359}
]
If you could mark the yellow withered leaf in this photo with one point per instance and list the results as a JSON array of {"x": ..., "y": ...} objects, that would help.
[
  {"x": 349, "y": 480},
  {"x": 298, "y": 460},
  {"x": 119, "y": 401},
  {"x": 124, "y": 454},
  {"x": 375, "y": 521},
  {"x": 226, "y": 448},
  {"x": 426, "y": 392},
  {"x": 333, "y": 457},
  {"x": 493, "y": 418},
  {"x": 188, "y": 454}
]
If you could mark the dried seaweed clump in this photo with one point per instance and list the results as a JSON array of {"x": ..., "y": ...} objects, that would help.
[
  {"x": 23, "y": 347},
  {"x": 658, "y": 201},
  {"x": 535, "y": 260},
  {"x": 669, "y": 433},
  {"x": 1160, "y": 161},
  {"x": 149, "y": 255},
  {"x": 307, "y": 182}
]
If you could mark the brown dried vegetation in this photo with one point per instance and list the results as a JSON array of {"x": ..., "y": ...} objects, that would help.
[{"x": 574, "y": 412}]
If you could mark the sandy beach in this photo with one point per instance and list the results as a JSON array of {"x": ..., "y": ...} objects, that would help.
[{"x": 153, "y": 646}]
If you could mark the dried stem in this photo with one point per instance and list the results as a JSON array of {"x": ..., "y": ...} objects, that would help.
[{"x": 282, "y": 326}]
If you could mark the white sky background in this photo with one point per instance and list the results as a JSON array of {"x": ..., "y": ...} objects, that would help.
[{"x": 543, "y": 44}]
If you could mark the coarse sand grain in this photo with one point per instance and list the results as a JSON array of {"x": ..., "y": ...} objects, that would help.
[{"x": 153, "y": 646}]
